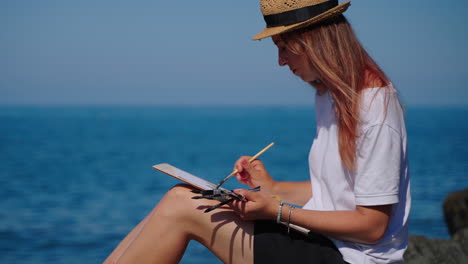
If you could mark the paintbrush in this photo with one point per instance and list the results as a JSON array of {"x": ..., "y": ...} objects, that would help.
[{"x": 250, "y": 160}]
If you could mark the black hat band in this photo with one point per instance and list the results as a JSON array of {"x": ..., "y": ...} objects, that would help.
[{"x": 298, "y": 15}]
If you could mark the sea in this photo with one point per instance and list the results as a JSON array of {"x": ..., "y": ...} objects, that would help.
[{"x": 74, "y": 180}]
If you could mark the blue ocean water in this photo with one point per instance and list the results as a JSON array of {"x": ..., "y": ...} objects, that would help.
[{"x": 75, "y": 180}]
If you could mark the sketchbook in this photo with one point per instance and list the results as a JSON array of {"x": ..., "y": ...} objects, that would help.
[
  {"x": 202, "y": 184},
  {"x": 186, "y": 177}
]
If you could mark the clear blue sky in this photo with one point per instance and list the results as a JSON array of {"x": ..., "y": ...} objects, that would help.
[{"x": 201, "y": 52}]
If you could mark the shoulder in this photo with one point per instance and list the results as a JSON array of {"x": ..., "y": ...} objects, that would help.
[{"x": 379, "y": 106}]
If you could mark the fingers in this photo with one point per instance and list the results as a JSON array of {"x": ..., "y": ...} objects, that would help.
[
  {"x": 238, "y": 207},
  {"x": 239, "y": 164},
  {"x": 249, "y": 195},
  {"x": 242, "y": 193},
  {"x": 242, "y": 175},
  {"x": 245, "y": 169},
  {"x": 255, "y": 206}
]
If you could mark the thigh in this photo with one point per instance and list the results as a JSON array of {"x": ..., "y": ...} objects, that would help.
[
  {"x": 221, "y": 231},
  {"x": 163, "y": 235},
  {"x": 273, "y": 244}
]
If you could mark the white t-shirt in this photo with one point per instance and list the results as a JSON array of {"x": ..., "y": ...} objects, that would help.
[{"x": 381, "y": 175}]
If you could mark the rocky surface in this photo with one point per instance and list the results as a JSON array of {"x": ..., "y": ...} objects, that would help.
[
  {"x": 456, "y": 211},
  {"x": 455, "y": 250},
  {"x": 431, "y": 250}
]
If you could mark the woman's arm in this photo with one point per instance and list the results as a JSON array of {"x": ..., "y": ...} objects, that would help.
[
  {"x": 365, "y": 224},
  {"x": 298, "y": 193},
  {"x": 254, "y": 174}
]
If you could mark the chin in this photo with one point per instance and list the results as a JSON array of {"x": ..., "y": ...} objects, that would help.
[
  {"x": 310, "y": 79},
  {"x": 319, "y": 86}
]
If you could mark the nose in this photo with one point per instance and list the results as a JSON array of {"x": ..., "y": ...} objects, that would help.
[{"x": 282, "y": 58}]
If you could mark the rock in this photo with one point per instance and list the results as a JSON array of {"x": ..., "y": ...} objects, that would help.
[
  {"x": 456, "y": 211},
  {"x": 433, "y": 250}
]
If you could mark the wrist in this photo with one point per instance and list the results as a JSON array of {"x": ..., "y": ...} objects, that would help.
[
  {"x": 273, "y": 210},
  {"x": 279, "y": 215},
  {"x": 273, "y": 187}
]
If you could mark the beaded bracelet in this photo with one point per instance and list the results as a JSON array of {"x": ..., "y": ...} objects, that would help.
[
  {"x": 280, "y": 211},
  {"x": 291, "y": 208}
]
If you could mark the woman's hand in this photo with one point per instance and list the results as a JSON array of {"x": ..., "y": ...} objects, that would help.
[
  {"x": 258, "y": 206},
  {"x": 253, "y": 174}
]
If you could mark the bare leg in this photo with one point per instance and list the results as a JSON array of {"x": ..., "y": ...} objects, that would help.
[
  {"x": 163, "y": 235},
  {"x": 124, "y": 244}
]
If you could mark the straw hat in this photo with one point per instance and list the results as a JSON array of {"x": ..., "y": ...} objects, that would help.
[{"x": 287, "y": 15}]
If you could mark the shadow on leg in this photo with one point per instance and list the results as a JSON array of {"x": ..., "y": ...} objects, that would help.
[{"x": 163, "y": 235}]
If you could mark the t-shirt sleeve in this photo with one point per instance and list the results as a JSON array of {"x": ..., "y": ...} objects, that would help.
[{"x": 378, "y": 166}]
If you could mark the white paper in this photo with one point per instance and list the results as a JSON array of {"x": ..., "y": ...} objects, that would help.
[{"x": 185, "y": 177}]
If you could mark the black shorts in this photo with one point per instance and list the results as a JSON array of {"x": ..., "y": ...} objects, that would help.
[{"x": 273, "y": 244}]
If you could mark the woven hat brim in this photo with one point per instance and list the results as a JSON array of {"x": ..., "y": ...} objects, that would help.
[{"x": 268, "y": 32}]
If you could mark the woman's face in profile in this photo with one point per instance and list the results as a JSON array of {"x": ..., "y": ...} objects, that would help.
[{"x": 297, "y": 63}]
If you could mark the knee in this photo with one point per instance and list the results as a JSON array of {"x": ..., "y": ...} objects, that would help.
[
  {"x": 176, "y": 201},
  {"x": 179, "y": 192}
]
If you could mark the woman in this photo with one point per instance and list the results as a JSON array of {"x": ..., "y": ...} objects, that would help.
[{"x": 357, "y": 202}]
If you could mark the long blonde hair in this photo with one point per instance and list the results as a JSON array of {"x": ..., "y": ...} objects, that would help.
[{"x": 345, "y": 69}]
